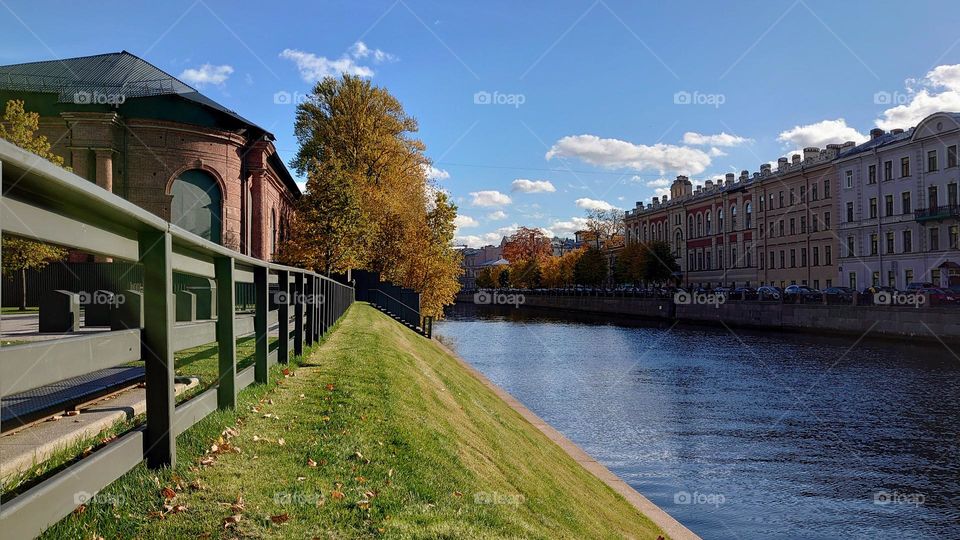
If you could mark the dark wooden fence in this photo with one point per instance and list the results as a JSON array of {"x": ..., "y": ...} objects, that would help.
[
  {"x": 41, "y": 201},
  {"x": 399, "y": 302}
]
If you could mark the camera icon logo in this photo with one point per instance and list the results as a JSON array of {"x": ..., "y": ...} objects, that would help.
[
  {"x": 682, "y": 297},
  {"x": 881, "y": 498},
  {"x": 281, "y": 297},
  {"x": 682, "y": 497},
  {"x": 82, "y": 97},
  {"x": 482, "y": 98},
  {"x": 282, "y": 98},
  {"x": 682, "y": 98},
  {"x": 482, "y": 298},
  {"x": 882, "y": 98},
  {"x": 883, "y": 298},
  {"x": 82, "y": 497}
]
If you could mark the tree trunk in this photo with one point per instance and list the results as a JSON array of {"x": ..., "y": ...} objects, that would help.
[{"x": 23, "y": 289}]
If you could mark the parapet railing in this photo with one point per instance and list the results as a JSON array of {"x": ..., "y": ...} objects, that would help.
[
  {"x": 383, "y": 298},
  {"x": 43, "y": 202}
]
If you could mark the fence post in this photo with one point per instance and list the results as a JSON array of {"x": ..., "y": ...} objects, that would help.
[
  {"x": 283, "y": 316},
  {"x": 262, "y": 309},
  {"x": 226, "y": 336},
  {"x": 156, "y": 346},
  {"x": 309, "y": 305},
  {"x": 298, "y": 314}
]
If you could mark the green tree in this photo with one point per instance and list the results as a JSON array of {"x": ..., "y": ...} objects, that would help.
[
  {"x": 504, "y": 278},
  {"x": 485, "y": 279},
  {"x": 629, "y": 265},
  {"x": 19, "y": 255},
  {"x": 659, "y": 263},
  {"x": 591, "y": 268}
]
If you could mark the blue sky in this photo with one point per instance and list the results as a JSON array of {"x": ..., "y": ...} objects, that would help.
[{"x": 535, "y": 111}]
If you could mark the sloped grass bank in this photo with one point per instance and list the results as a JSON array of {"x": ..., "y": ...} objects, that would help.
[{"x": 378, "y": 433}]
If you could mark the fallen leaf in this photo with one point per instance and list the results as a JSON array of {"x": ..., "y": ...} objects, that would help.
[
  {"x": 457, "y": 494},
  {"x": 80, "y": 509},
  {"x": 281, "y": 442},
  {"x": 337, "y": 495},
  {"x": 168, "y": 493},
  {"x": 330, "y": 387},
  {"x": 311, "y": 462},
  {"x": 281, "y": 518},
  {"x": 73, "y": 413},
  {"x": 231, "y": 521}
]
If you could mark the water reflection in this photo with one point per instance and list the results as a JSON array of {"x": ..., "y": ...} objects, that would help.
[{"x": 742, "y": 434}]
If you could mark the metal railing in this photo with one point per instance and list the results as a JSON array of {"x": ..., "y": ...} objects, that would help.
[
  {"x": 43, "y": 202},
  {"x": 945, "y": 211}
]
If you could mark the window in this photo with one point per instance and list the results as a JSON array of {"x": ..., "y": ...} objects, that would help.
[
  {"x": 827, "y": 258},
  {"x": 872, "y": 174},
  {"x": 761, "y": 203},
  {"x": 749, "y": 260},
  {"x": 952, "y": 156},
  {"x": 904, "y": 167},
  {"x": 773, "y": 260},
  {"x": 875, "y": 279},
  {"x": 849, "y": 181},
  {"x": 934, "y": 238},
  {"x": 815, "y": 223},
  {"x": 826, "y": 220},
  {"x": 826, "y": 189},
  {"x": 888, "y": 170},
  {"x": 874, "y": 244},
  {"x": 793, "y": 258},
  {"x": 733, "y": 217},
  {"x": 709, "y": 229},
  {"x": 908, "y": 276},
  {"x": 816, "y": 284},
  {"x": 720, "y": 220},
  {"x": 852, "y": 280},
  {"x": 709, "y": 266},
  {"x": 733, "y": 256},
  {"x": 932, "y": 164},
  {"x": 761, "y": 230},
  {"x": 952, "y": 194},
  {"x": 888, "y": 205},
  {"x": 749, "y": 215},
  {"x": 890, "y": 249},
  {"x": 803, "y": 257},
  {"x": 783, "y": 259},
  {"x": 905, "y": 203},
  {"x": 907, "y": 241},
  {"x": 813, "y": 193},
  {"x": 816, "y": 255},
  {"x": 954, "y": 234},
  {"x": 782, "y": 229},
  {"x": 873, "y": 207},
  {"x": 803, "y": 194},
  {"x": 780, "y": 196},
  {"x": 792, "y": 197},
  {"x": 932, "y": 200},
  {"x": 690, "y": 257},
  {"x": 891, "y": 278},
  {"x": 793, "y": 226},
  {"x": 690, "y": 227},
  {"x": 935, "y": 276},
  {"x": 803, "y": 224},
  {"x": 850, "y": 244},
  {"x": 849, "y": 212},
  {"x": 699, "y": 224}
]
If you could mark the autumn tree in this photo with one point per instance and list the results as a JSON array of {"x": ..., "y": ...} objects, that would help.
[
  {"x": 629, "y": 267},
  {"x": 591, "y": 268},
  {"x": 605, "y": 226},
  {"x": 526, "y": 244},
  {"x": 406, "y": 227},
  {"x": 659, "y": 263},
  {"x": 19, "y": 255}
]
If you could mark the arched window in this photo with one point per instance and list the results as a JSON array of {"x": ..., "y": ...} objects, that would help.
[
  {"x": 709, "y": 230},
  {"x": 644, "y": 232},
  {"x": 197, "y": 204},
  {"x": 690, "y": 226},
  {"x": 720, "y": 220},
  {"x": 748, "y": 218},
  {"x": 733, "y": 217},
  {"x": 273, "y": 232},
  {"x": 699, "y": 225},
  {"x": 679, "y": 242}
]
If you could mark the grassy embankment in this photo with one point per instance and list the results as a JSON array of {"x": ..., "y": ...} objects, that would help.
[{"x": 378, "y": 433}]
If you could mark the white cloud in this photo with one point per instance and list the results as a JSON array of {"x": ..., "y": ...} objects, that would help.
[
  {"x": 492, "y": 237},
  {"x": 927, "y": 100},
  {"x": 206, "y": 74},
  {"x": 433, "y": 173},
  {"x": 462, "y": 221},
  {"x": 659, "y": 183},
  {"x": 360, "y": 50},
  {"x": 614, "y": 154},
  {"x": 716, "y": 152},
  {"x": 720, "y": 139},
  {"x": 497, "y": 215},
  {"x": 489, "y": 198},
  {"x": 593, "y": 204},
  {"x": 821, "y": 134},
  {"x": 532, "y": 186},
  {"x": 566, "y": 228}
]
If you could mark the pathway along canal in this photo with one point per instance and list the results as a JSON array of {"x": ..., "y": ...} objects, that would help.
[{"x": 739, "y": 434}]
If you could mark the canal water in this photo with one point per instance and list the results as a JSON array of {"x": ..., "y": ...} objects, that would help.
[{"x": 741, "y": 434}]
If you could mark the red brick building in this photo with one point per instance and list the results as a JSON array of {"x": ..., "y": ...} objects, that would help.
[{"x": 133, "y": 129}]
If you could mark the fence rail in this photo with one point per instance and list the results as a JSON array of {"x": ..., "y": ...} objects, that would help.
[
  {"x": 401, "y": 303},
  {"x": 43, "y": 202}
]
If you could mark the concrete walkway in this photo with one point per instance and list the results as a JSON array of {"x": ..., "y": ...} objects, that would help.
[{"x": 665, "y": 521}]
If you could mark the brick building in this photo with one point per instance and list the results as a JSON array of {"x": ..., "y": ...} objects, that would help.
[{"x": 139, "y": 132}]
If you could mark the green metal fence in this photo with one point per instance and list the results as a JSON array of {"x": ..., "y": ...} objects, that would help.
[{"x": 41, "y": 201}]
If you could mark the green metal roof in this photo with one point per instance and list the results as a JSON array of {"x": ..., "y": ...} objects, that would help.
[{"x": 119, "y": 73}]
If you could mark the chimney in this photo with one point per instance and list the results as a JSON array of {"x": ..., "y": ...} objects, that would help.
[
  {"x": 876, "y": 132},
  {"x": 810, "y": 152},
  {"x": 848, "y": 144},
  {"x": 896, "y": 131},
  {"x": 708, "y": 185},
  {"x": 782, "y": 163},
  {"x": 765, "y": 169},
  {"x": 655, "y": 202},
  {"x": 744, "y": 175},
  {"x": 756, "y": 175},
  {"x": 640, "y": 205},
  {"x": 664, "y": 199},
  {"x": 795, "y": 159},
  {"x": 832, "y": 150}
]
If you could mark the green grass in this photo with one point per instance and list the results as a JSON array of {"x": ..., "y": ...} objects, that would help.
[
  {"x": 385, "y": 435},
  {"x": 15, "y": 310}
]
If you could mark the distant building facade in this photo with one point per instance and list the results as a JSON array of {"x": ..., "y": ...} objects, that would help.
[
  {"x": 139, "y": 132},
  {"x": 476, "y": 259},
  {"x": 900, "y": 219}
]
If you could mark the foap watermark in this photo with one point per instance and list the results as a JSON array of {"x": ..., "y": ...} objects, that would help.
[
  {"x": 891, "y": 98},
  {"x": 484, "y": 497},
  {"x": 699, "y": 299},
  {"x": 498, "y": 98},
  {"x": 885, "y": 298},
  {"x": 683, "y": 97},
  {"x": 282, "y": 97},
  {"x": 88, "y": 499},
  {"x": 290, "y": 299},
  {"x": 686, "y": 497},
  {"x": 101, "y": 298},
  {"x": 884, "y": 498},
  {"x": 494, "y": 298},
  {"x": 97, "y": 97},
  {"x": 297, "y": 498}
]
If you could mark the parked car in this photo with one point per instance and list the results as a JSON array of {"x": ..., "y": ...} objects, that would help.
[
  {"x": 800, "y": 293},
  {"x": 839, "y": 295},
  {"x": 919, "y": 285},
  {"x": 937, "y": 296},
  {"x": 769, "y": 292},
  {"x": 744, "y": 293}
]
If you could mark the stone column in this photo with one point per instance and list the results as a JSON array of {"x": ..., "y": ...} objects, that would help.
[{"x": 105, "y": 168}]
